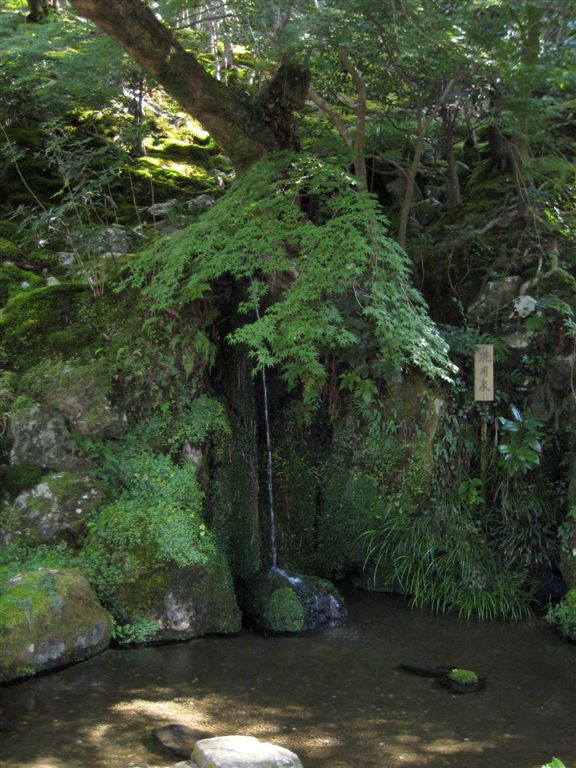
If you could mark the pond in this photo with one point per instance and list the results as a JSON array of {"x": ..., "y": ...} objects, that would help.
[{"x": 336, "y": 698}]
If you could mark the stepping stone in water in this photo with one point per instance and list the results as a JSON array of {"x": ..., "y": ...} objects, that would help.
[
  {"x": 179, "y": 738},
  {"x": 242, "y": 752}
]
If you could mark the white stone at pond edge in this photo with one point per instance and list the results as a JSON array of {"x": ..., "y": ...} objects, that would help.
[{"x": 242, "y": 752}]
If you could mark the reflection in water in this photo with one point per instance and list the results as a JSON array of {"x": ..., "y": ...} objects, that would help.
[{"x": 336, "y": 697}]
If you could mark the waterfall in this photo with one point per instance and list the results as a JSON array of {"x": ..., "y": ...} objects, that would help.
[{"x": 269, "y": 453}]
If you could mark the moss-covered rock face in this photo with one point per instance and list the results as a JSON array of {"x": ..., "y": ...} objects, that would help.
[
  {"x": 372, "y": 465},
  {"x": 45, "y": 318},
  {"x": 49, "y": 618},
  {"x": 79, "y": 392},
  {"x": 275, "y": 601},
  {"x": 41, "y": 437},
  {"x": 57, "y": 508}
]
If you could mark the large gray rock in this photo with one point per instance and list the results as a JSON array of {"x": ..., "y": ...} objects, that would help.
[
  {"x": 497, "y": 296},
  {"x": 41, "y": 437},
  {"x": 56, "y": 508},
  {"x": 242, "y": 752},
  {"x": 49, "y": 618}
]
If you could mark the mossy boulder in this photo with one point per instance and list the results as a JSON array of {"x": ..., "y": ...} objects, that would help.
[
  {"x": 181, "y": 602},
  {"x": 42, "y": 437},
  {"x": 49, "y": 618},
  {"x": 276, "y": 601},
  {"x": 55, "y": 509},
  {"x": 79, "y": 392}
]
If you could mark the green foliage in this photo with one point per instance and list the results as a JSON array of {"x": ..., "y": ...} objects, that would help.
[
  {"x": 554, "y": 763},
  {"x": 20, "y": 556},
  {"x": 155, "y": 520},
  {"x": 463, "y": 676},
  {"x": 347, "y": 284},
  {"x": 563, "y": 615},
  {"x": 441, "y": 559},
  {"x": 138, "y": 632},
  {"x": 284, "y": 612},
  {"x": 49, "y": 68},
  {"x": 202, "y": 419},
  {"x": 522, "y": 450}
]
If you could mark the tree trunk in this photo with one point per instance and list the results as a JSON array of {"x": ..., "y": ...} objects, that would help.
[
  {"x": 238, "y": 126},
  {"x": 452, "y": 180}
]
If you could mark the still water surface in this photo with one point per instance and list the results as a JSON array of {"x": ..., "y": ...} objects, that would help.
[{"x": 335, "y": 697}]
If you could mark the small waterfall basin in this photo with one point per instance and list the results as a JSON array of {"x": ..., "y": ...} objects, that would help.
[{"x": 335, "y": 697}]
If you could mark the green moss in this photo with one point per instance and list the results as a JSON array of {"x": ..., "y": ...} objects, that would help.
[
  {"x": 20, "y": 477},
  {"x": 463, "y": 676},
  {"x": 183, "y": 151},
  {"x": 284, "y": 612},
  {"x": 45, "y": 318},
  {"x": 14, "y": 280},
  {"x": 43, "y": 615},
  {"x": 8, "y": 250}
]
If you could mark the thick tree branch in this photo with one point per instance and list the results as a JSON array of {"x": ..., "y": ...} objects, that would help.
[
  {"x": 333, "y": 116},
  {"x": 360, "y": 135},
  {"x": 236, "y": 125}
]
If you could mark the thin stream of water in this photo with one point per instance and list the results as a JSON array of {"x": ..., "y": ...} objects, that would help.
[{"x": 273, "y": 550}]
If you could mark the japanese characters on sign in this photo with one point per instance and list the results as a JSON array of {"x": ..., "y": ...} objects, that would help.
[{"x": 484, "y": 373}]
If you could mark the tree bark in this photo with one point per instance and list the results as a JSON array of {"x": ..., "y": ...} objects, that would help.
[
  {"x": 424, "y": 123},
  {"x": 237, "y": 125}
]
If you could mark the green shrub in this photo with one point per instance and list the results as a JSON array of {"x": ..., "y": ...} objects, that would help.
[{"x": 563, "y": 615}]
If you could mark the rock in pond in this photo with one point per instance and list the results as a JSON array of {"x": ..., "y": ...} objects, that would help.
[
  {"x": 55, "y": 509},
  {"x": 276, "y": 601},
  {"x": 180, "y": 738},
  {"x": 182, "y": 602},
  {"x": 241, "y": 752},
  {"x": 49, "y": 618}
]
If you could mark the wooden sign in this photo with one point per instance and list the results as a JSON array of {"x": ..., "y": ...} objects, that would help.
[{"x": 484, "y": 373}]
